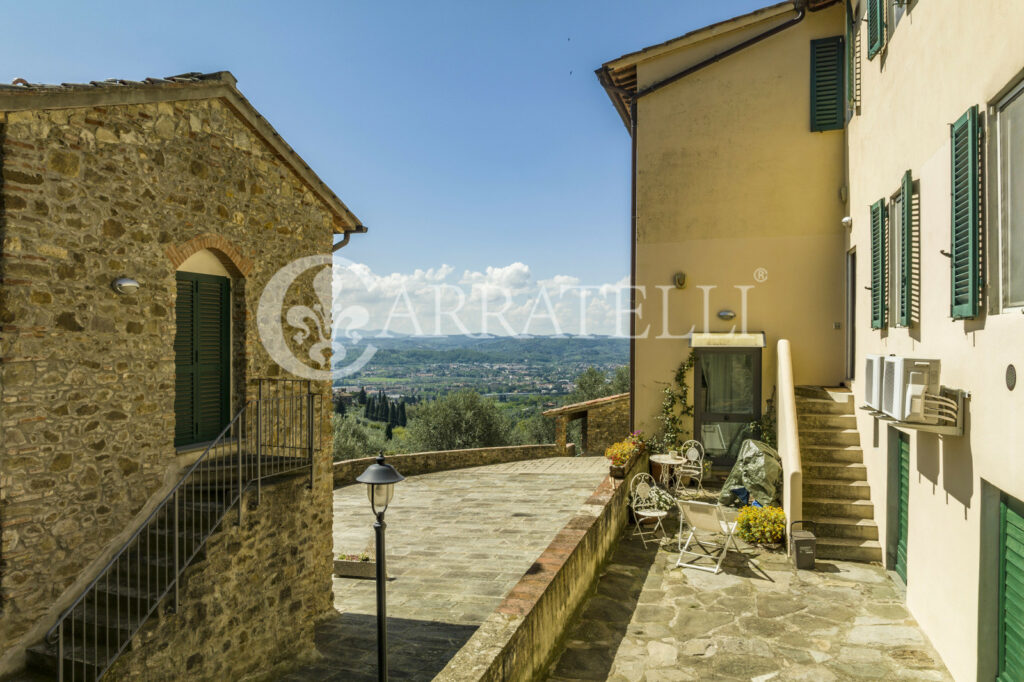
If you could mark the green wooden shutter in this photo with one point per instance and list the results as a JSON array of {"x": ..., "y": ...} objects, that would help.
[
  {"x": 876, "y": 27},
  {"x": 1011, "y": 592},
  {"x": 851, "y": 55},
  {"x": 906, "y": 244},
  {"x": 902, "y": 506},
  {"x": 184, "y": 364},
  {"x": 878, "y": 265},
  {"x": 201, "y": 357},
  {"x": 827, "y": 84},
  {"x": 965, "y": 255}
]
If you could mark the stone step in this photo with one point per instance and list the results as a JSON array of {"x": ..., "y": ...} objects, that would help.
[
  {"x": 835, "y": 471},
  {"x": 836, "y": 490},
  {"x": 825, "y": 454},
  {"x": 82, "y": 662},
  {"x": 816, "y": 507},
  {"x": 825, "y": 421},
  {"x": 849, "y": 549},
  {"x": 837, "y": 394},
  {"x": 844, "y": 527},
  {"x": 812, "y": 437},
  {"x": 823, "y": 406}
]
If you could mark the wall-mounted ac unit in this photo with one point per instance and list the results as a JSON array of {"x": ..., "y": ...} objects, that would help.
[
  {"x": 873, "y": 381},
  {"x": 908, "y": 387}
]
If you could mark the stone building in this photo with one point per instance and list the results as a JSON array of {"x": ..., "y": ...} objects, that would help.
[
  {"x": 107, "y": 396},
  {"x": 603, "y": 421}
]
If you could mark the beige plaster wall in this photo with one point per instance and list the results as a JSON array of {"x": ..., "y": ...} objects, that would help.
[
  {"x": 942, "y": 58},
  {"x": 731, "y": 180}
]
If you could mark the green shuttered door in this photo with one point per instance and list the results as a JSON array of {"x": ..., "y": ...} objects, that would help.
[
  {"x": 827, "y": 84},
  {"x": 878, "y": 265},
  {"x": 1011, "y": 592},
  {"x": 965, "y": 273},
  {"x": 903, "y": 506},
  {"x": 201, "y": 357}
]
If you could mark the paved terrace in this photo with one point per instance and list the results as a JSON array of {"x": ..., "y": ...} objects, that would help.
[
  {"x": 759, "y": 620},
  {"x": 457, "y": 542}
]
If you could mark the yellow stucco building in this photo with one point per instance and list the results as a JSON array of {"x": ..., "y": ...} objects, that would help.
[{"x": 841, "y": 175}]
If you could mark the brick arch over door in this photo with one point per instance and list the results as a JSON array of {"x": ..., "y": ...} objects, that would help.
[{"x": 228, "y": 254}]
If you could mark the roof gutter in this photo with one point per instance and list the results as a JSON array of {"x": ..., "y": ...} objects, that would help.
[
  {"x": 632, "y": 98},
  {"x": 348, "y": 235}
]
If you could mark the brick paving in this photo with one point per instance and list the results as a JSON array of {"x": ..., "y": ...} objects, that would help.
[
  {"x": 457, "y": 542},
  {"x": 759, "y": 620}
]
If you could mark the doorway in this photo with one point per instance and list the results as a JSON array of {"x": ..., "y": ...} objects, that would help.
[
  {"x": 727, "y": 398},
  {"x": 851, "y": 314}
]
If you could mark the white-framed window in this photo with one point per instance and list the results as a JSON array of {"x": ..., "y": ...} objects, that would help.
[{"x": 1010, "y": 166}]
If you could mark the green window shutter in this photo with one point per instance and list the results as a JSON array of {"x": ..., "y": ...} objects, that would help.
[
  {"x": 903, "y": 506},
  {"x": 184, "y": 364},
  {"x": 202, "y": 359},
  {"x": 876, "y": 27},
  {"x": 878, "y": 265},
  {"x": 965, "y": 253},
  {"x": 1011, "y": 592},
  {"x": 906, "y": 244},
  {"x": 851, "y": 54},
  {"x": 827, "y": 84}
]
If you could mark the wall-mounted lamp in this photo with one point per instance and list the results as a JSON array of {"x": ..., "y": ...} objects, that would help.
[
  {"x": 847, "y": 222},
  {"x": 125, "y": 286},
  {"x": 679, "y": 280},
  {"x": 726, "y": 314}
]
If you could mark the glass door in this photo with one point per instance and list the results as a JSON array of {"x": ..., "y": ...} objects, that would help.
[{"x": 727, "y": 397}]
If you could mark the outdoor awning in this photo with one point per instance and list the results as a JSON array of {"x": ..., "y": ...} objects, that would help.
[{"x": 727, "y": 339}]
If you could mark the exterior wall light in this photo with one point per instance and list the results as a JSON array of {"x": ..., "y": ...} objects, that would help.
[
  {"x": 847, "y": 222},
  {"x": 726, "y": 315},
  {"x": 380, "y": 479},
  {"x": 679, "y": 280},
  {"x": 125, "y": 286}
]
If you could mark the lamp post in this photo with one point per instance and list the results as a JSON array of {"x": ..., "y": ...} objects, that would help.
[{"x": 380, "y": 480}]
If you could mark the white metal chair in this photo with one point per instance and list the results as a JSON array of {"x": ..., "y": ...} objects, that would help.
[
  {"x": 643, "y": 501},
  {"x": 692, "y": 467},
  {"x": 703, "y": 517}
]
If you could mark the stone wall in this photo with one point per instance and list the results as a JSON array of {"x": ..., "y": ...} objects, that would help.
[
  {"x": 518, "y": 641},
  {"x": 266, "y": 622},
  {"x": 87, "y": 375},
  {"x": 345, "y": 472}
]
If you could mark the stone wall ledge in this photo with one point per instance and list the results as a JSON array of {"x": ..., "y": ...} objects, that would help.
[
  {"x": 519, "y": 639},
  {"x": 346, "y": 471}
]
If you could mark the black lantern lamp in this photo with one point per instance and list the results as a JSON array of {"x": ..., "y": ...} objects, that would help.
[{"x": 380, "y": 479}]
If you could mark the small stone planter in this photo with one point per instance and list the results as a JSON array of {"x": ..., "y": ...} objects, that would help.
[{"x": 349, "y": 568}]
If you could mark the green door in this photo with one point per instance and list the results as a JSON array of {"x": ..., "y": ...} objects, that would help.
[
  {"x": 202, "y": 367},
  {"x": 902, "y": 506},
  {"x": 1011, "y": 591}
]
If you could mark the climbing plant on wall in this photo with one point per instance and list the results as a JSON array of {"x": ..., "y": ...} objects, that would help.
[{"x": 676, "y": 407}]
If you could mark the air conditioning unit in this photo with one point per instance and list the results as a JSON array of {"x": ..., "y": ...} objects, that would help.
[
  {"x": 909, "y": 386},
  {"x": 873, "y": 381}
]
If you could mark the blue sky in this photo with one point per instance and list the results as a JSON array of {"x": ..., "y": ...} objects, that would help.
[{"x": 467, "y": 134}]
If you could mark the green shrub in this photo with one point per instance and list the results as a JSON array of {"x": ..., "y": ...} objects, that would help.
[{"x": 761, "y": 525}]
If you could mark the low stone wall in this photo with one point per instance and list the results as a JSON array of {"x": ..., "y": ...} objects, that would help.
[
  {"x": 345, "y": 472},
  {"x": 518, "y": 640}
]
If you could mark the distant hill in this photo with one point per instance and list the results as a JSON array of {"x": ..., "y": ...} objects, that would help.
[{"x": 414, "y": 350}]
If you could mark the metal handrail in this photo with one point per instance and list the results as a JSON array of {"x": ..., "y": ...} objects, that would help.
[{"x": 270, "y": 431}]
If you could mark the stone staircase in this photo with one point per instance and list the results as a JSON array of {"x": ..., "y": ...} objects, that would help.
[{"x": 836, "y": 492}]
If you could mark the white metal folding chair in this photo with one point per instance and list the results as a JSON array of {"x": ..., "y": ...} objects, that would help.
[
  {"x": 644, "y": 503},
  {"x": 692, "y": 467},
  {"x": 703, "y": 517}
]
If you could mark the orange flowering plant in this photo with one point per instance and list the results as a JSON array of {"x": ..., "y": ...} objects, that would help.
[{"x": 623, "y": 451}]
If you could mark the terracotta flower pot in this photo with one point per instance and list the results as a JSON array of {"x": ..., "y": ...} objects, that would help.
[{"x": 617, "y": 471}]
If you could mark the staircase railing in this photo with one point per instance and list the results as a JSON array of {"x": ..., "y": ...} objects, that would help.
[
  {"x": 789, "y": 437},
  {"x": 273, "y": 435}
]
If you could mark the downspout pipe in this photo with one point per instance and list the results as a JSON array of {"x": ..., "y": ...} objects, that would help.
[
  {"x": 604, "y": 77},
  {"x": 348, "y": 235}
]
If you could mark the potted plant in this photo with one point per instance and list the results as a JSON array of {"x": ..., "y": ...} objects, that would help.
[
  {"x": 764, "y": 526},
  {"x": 620, "y": 454},
  {"x": 355, "y": 566}
]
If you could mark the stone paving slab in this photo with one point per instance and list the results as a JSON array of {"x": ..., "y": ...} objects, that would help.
[
  {"x": 760, "y": 619},
  {"x": 457, "y": 542}
]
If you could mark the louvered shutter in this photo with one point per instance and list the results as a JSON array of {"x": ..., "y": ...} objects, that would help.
[
  {"x": 827, "y": 84},
  {"x": 201, "y": 358},
  {"x": 851, "y": 55},
  {"x": 878, "y": 265},
  {"x": 965, "y": 254},
  {"x": 184, "y": 364},
  {"x": 1011, "y": 592},
  {"x": 906, "y": 245},
  {"x": 876, "y": 27}
]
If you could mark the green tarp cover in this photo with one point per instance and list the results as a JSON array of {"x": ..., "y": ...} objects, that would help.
[{"x": 758, "y": 468}]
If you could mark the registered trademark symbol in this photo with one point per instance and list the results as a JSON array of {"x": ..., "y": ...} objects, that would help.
[{"x": 760, "y": 274}]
